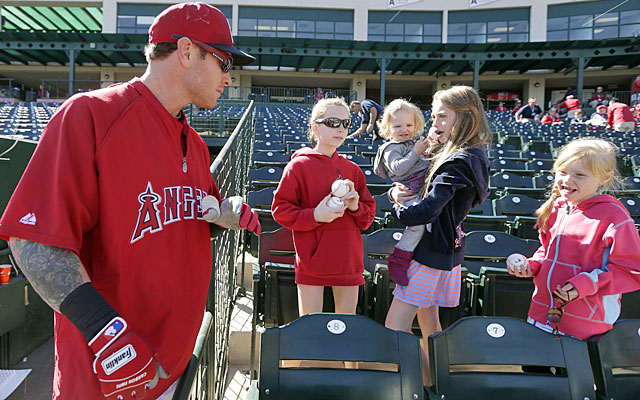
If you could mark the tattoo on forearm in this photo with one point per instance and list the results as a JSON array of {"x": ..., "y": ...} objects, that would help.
[{"x": 52, "y": 271}]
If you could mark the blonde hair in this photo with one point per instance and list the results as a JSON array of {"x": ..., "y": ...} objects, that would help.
[
  {"x": 384, "y": 123},
  {"x": 599, "y": 156},
  {"x": 470, "y": 129},
  {"x": 319, "y": 111}
]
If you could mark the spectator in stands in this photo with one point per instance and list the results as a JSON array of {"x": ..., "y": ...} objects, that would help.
[
  {"x": 43, "y": 93},
  {"x": 635, "y": 91},
  {"x": 597, "y": 259},
  {"x": 326, "y": 229},
  {"x": 530, "y": 112},
  {"x": 598, "y": 97},
  {"x": 636, "y": 116},
  {"x": 552, "y": 117},
  {"x": 571, "y": 104},
  {"x": 501, "y": 107},
  {"x": 318, "y": 95},
  {"x": 578, "y": 118},
  {"x": 106, "y": 221},
  {"x": 458, "y": 179},
  {"x": 403, "y": 159},
  {"x": 619, "y": 116},
  {"x": 370, "y": 111},
  {"x": 599, "y": 118},
  {"x": 517, "y": 106},
  {"x": 571, "y": 91}
]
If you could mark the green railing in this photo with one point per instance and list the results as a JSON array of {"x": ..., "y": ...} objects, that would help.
[
  {"x": 204, "y": 379},
  {"x": 220, "y": 121}
]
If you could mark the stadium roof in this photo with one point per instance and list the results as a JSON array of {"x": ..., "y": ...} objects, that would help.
[
  {"x": 42, "y": 18},
  {"x": 51, "y": 48}
]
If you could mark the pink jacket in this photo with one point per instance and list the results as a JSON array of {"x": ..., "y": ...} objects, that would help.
[{"x": 594, "y": 246}]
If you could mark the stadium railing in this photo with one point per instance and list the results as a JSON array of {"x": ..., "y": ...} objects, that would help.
[{"x": 230, "y": 171}]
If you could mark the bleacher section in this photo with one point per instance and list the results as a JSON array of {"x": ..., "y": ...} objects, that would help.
[{"x": 25, "y": 119}]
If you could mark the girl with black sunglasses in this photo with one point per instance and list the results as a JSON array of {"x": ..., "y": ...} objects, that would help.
[{"x": 327, "y": 237}]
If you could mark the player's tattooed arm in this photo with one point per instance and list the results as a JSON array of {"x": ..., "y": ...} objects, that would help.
[{"x": 53, "y": 272}]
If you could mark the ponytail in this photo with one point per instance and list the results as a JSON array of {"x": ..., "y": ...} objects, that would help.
[{"x": 545, "y": 209}]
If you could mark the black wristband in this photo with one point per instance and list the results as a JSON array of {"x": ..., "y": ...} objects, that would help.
[{"x": 87, "y": 310}]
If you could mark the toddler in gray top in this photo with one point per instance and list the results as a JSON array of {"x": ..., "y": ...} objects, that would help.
[{"x": 403, "y": 159}]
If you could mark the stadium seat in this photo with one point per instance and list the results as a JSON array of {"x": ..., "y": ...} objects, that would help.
[
  {"x": 615, "y": 359},
  {"x": 504, "y": 295},
  {"x": 269, "y": 146},
  {"x": 269, "y": 158},
  {"x": 338, "y": 356},
  {"x": 539, "y": 165},
  {"x": 264, "y": 177},
  {"x": 513, "y": 205},
  {"x": 490, "y": 358}
]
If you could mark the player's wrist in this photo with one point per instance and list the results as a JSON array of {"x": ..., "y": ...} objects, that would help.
[{"x": 87, "y": 310}]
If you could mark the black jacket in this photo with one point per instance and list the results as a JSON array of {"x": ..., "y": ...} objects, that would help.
[{"x": 460, "y": 183}]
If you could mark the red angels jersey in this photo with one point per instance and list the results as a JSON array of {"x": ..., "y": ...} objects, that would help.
[{"x": 109, "y": 180}]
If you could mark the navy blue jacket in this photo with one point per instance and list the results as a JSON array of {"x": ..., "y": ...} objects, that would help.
[{"x": 460, "y": 183}]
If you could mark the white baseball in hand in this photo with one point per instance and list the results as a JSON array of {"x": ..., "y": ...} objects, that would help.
[
  {"x": 335, "y": 202},
  {"x": 516, "y": 261},
  {"x": 210, "y": 208},
  {"x": 339, "y": 188}
]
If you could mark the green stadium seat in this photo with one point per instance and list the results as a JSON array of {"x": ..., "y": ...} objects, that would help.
[
  {"x": 489, "y": 358},
  {"x": 615, "y": 359},
  {"x": 339, "y": 356}
]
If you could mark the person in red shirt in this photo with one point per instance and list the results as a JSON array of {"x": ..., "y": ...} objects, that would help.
[
  {"x": 571, "y": 104},
  {"x": 501, "y": 107},
  {"x": 635, "y": 91},
  {"x": 598, "y": 97},
  {"x": 551, "y": 118},
  {"x": 326, "y": 228},
  {"x": 517, "y": 106},
  {"x": 619, "y": 116},
  {"x": 106, "y": 222},
  {"x": 318, "y": 95}
]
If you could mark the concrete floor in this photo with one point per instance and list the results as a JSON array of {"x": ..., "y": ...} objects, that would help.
[{"x": 39, "y": 383}]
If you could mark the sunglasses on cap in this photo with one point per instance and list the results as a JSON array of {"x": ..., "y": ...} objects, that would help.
[
  {"x": 333, "y": 122},
  {"x": 224, "y": 64}
]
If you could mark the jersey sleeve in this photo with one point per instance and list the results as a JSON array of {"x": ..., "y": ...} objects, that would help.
[{"x": 56, "y": 200}]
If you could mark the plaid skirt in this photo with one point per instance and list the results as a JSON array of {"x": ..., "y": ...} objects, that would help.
[{"x": 430, "y": 287}]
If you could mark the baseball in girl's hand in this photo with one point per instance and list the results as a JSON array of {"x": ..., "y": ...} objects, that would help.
[
  {"x": 516, "y": 262},
  {"x": 335, "y": 202},
  {"x": 339, "y": 188}
]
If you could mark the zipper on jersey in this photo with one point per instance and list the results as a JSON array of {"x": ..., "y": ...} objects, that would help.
[{"x": 555, "y": 257}]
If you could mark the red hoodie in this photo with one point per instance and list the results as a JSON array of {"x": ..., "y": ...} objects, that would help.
[
  {"x": 327, "y": 254},
  {"x": 593, "y": 246}
]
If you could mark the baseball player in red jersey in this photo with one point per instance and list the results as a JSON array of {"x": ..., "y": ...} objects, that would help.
[{"x": 106, "y": 222}]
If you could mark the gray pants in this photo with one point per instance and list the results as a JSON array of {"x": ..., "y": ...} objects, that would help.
[{"x": 412, "y": 234}]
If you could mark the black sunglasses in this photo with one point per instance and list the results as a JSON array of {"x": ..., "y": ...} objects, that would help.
[
  {"x": 224, "y": 64},
  {"x": 333, "y": 122}
]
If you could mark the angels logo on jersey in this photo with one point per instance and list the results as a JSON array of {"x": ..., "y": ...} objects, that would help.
[{"x": 180, "y": 203}]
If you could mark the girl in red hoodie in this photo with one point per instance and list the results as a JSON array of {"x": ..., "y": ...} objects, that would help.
[
  {"x": 589, "y": 254},
  {"x": 326, "y": 235}
]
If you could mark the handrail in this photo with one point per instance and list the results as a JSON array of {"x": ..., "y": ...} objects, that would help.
[
  {"x": 204, "y": 377},
  {"x": 188, "y": 379}
]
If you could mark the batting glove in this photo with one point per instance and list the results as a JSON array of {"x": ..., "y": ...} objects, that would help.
[{"x": 125, "y": 364}]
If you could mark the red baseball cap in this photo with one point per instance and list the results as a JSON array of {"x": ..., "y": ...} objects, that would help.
[{"x": 198, "y": 21}]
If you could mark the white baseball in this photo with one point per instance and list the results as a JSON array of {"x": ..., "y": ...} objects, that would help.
[
  {"x": 210, "y": 208},
  {"x": 517, "y": 261},
  {"x": 339, "y": 188},
  {"x": 335, "y": 202}
]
